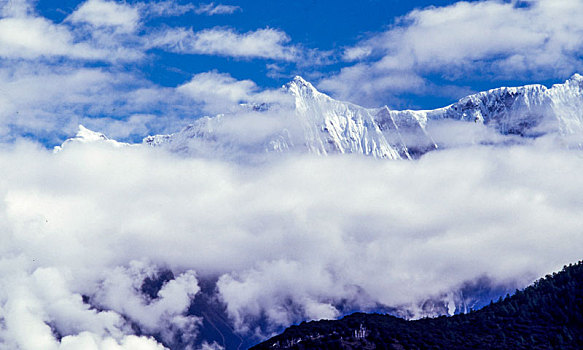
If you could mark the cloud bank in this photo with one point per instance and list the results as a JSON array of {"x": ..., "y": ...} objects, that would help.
[{"x": 300, "y": 238}]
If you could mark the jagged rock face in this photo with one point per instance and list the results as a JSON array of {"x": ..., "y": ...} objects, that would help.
[{"x": 331, "y": 126}]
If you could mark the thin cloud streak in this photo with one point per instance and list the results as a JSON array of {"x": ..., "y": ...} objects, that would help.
[{"x": 212, "y": 9}]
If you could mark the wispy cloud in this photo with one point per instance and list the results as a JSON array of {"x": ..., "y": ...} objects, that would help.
[
  {"x": 262, "y": 43},
  {"x": 212, "y": 9},
  {"x": 165, "y": 8}
]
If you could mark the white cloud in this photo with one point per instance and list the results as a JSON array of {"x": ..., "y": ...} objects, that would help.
[
  {"x": 221, "y": 93},
  {"x": 356, "y": 53},
  {"x": 164, "y": 315},
  {"x": 212, "y": 9},
  {"x": 36, "y": 37},
  {"x": 466, "y": 40},
  {"x": 252, "y": 294},
  {"x": 213, "y": 346},
  {"x": 214, "y": 87},
  {"x": 263, "y": 43},
  {"x": 108, "y": 14},
  {"x": 289, "y": 240},
  {"x": 25, "y": 35},
  {"x": 16, "y": 8},
  {"x": 42, "y": 303}
]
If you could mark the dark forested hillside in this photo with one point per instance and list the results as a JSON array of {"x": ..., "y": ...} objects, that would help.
[{"x": 546, "y": 315}]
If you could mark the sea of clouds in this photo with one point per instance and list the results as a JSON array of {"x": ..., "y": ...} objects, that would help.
[{"x": 291, "y": 239}]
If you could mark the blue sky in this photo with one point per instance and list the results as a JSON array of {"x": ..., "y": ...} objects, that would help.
[{"x": 121, "y": 67}]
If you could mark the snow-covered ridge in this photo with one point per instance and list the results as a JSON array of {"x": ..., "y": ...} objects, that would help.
[{"x": 319, "y": 124}]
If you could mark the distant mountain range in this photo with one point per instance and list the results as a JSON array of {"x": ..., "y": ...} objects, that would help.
[
  {"x": 546, "y": 315},
  {"x": 313, "y": 122}
]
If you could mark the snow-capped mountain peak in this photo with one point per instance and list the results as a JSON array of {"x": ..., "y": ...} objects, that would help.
[
  {"x": 85, "y": 135},
  {"x": 299, "y": 87}
]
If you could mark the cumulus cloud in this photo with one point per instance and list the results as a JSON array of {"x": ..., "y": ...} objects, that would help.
[
  {"x": 212, "y": 9},
  {"x": 42, "y": 305},
  {"x": 299, "y": 238},
  {"x": 221, "y": 93},
  {"x": 212, "y": 87},
  {"x": 261, "y": 43},
  {"x": 485, "y": 39},
  {"x": 165, "y": 314},
  {"x": 111, "y": 14}
]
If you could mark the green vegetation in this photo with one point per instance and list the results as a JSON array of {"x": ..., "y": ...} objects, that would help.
[{"x": 546, "y": 315}]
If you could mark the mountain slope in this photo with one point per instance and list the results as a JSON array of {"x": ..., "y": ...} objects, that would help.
[{"x": 546, "y": 315}]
